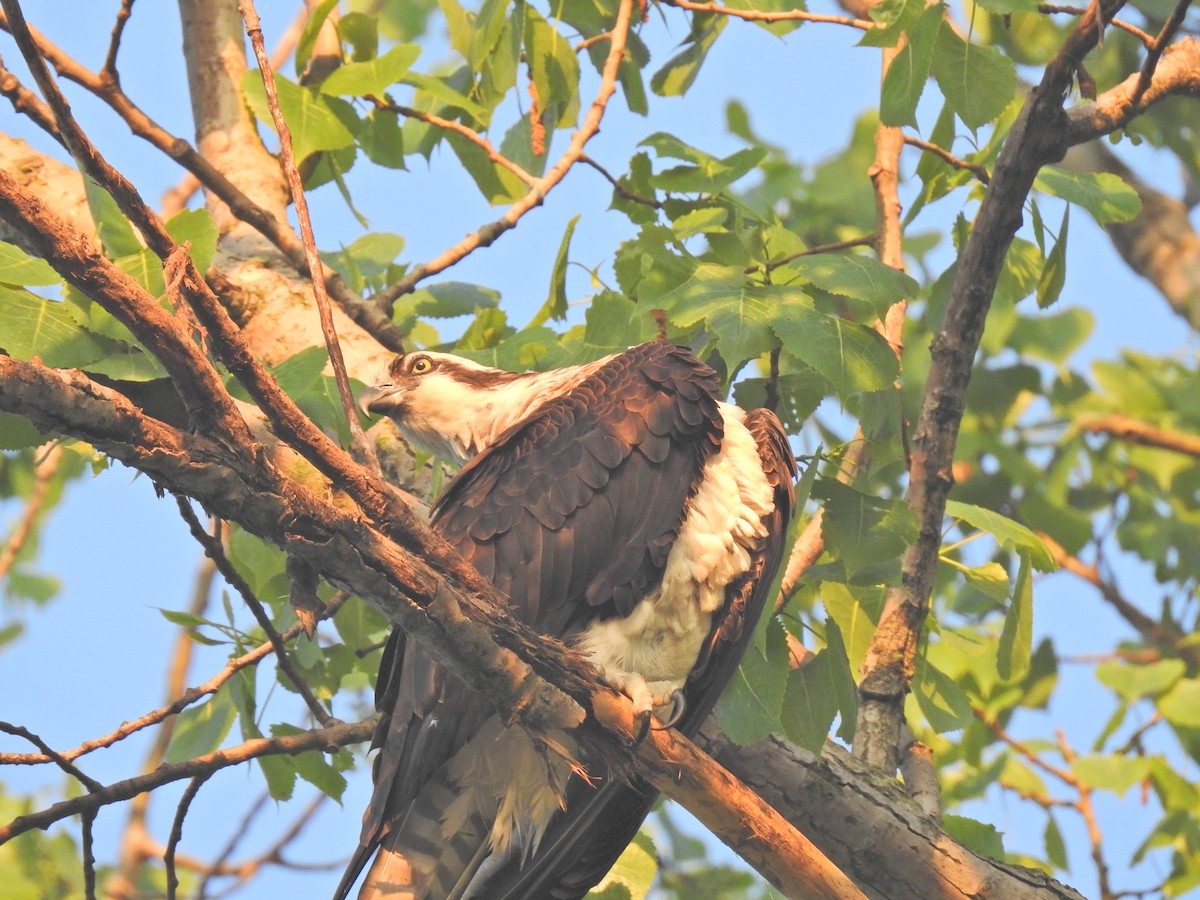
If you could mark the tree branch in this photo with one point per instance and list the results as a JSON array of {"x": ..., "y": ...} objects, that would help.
[
  {"x": 1134, "y": 431},
  {"x": 1035, "y": 139}
]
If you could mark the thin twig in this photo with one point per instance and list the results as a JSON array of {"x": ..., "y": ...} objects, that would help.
[
  {"x": 216, "y": 552},
  {"x": 620, "y": 188},
  {"x": 1149, "y": 628},
  {"x": 186, "y": 699},
  {"x": 1155, "y": 49},
  {"x": 458, "y": 128},
  {"x": 300, "y": 203},
  {"x": 109, "y": 69},
  {"x": 185, "y": 802},
  {"x": 43, "y": 473},
  {"x": 979, "y": 171},
  {"x": 1116, "y": 23},
  {"x": 755, "y": 15},
  {"x": 87, "y": 823},
  {"x": 57, "y": 758},
  {"x": 26, "y": 102},
  {"x": 1088, "y": 811},
  {"x": 319, "y": 739}
]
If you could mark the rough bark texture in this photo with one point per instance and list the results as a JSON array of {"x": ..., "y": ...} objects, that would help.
[{"x": 866, "y": 824}]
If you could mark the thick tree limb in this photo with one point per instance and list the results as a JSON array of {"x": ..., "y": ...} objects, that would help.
[{"x": 865, "y": 823}]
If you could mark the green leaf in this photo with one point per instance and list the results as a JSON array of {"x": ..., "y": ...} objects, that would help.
[
  {"x": 750, "y": 706},
  {"x": 18, "y": 268},
  {"x": 1106, "y": 196},
  {"x": 1056, "y": 847},
  {"x": 854, "y": 621},
  {"x": 632, "y": 875},
  {"x": 382, "y": 139},
  {"x": 855, "y": 275},
  {"x": 555, "y": 306},
  {"x": 17, "y": 433},
  {"x": 853, "y": 357},
  {"x": 316, "y": 121},
  {"x": 863, "y": 530},
  {"x": 199, "y": 730},
  {"x": 978, "y": 82},
  {"x": 1054, "y": 274},
  {"x": 680, "y": 71},
  {"x": 990, "y": 579},
  {"x": 1133, "y": 682},
  {"x": 1008, "y": 533},
  {"x": 817, "y": 691},
  {"x": 32, "y": 326},
  {"x": 978, "y": 836},
  {"x": 553, "y": 66},
  {"x": 905, "y": 79},
  {"x": 1052, "y": 337},
  {"x": 1181, "y": 704},
  {"x": 313, "y": 767},
  {"x": 1111, "y": 773},
  {"x": 898, "y": 18},
  {"x": 114, "y": 230},
  {"x": 375, "y": 76},
  {"x": 197, "y": 227},
  {"x": 944, "y": 704},
  {"x": 1016, "y": 639}
]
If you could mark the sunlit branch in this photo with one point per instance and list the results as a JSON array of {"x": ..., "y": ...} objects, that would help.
[{"x": 244, "y": 208}]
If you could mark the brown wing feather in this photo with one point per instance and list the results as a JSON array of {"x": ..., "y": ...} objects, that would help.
[
  {"x": 583, "y": 842},
  {"x": 555, "y": 514}
]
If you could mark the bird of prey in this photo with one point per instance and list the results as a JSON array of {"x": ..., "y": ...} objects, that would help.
[{"x": 621, "y": 507}]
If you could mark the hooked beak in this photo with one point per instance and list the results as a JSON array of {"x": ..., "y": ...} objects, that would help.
[{"x": 378, "y": 400}]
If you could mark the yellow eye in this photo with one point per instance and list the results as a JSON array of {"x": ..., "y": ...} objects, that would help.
[{"x": 421, "y": 365}]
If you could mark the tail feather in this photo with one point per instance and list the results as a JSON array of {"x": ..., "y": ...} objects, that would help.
[{"x": 417, "y": 861}]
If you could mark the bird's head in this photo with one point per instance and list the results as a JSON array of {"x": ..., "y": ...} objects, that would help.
[{"x": 445, "y": 405}]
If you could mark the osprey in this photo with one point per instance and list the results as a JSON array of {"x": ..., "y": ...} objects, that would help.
[{"x": 621, "y": 507}]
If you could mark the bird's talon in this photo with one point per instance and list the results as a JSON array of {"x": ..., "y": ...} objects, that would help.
[
  {"x": 646, "y": 723},
  {"x": 678, "y": 708}
]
